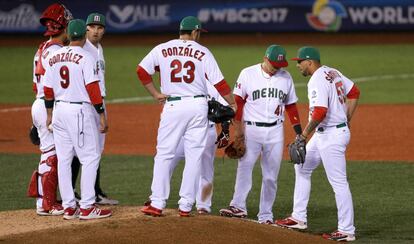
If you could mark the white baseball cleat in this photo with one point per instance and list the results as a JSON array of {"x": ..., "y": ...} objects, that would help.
[
  {"x": 232, "y": 211},
  {"x": 292, "y": 223},
  {"x": 56, "y": 210},
  {"x": 94, "y": 213},
  {"x": 339, "y": 236}
]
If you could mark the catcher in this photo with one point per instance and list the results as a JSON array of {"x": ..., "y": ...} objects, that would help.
[{"x": 263, "y": 93}]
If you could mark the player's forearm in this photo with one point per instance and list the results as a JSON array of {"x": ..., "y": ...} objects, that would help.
[
  {"x": 230, "y": 100},
  {"x": 238, "y": 129},
  {"x": 152, "y": 90},
  {"x": 351, "y": 105},
  {"x": 310, "y": 127},
  {"x": 318, "y": 114}
]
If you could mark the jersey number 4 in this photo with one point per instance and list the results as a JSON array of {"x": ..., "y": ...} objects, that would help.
[
  {"x": 64, "y": 74},
  {"x": 177, "y": 66}
]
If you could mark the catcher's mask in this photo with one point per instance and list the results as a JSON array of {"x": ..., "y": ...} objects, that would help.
[{"x": 56, "y": 18}]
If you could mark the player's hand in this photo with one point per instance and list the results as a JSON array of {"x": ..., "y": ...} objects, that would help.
[
  {"x": 161, "y": 98},
  {"x": 49, "y": 123},
  {"x": 103, "y": 123}
]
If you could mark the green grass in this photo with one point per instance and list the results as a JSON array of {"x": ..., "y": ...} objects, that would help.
[
  {"x": 382, "y": 192},
  {"x": 354, "y": 61}
]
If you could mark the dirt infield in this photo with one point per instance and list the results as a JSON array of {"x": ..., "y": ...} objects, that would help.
[
  {"x": 128, "y": 225},
  {"x": 377, "y": 132}
]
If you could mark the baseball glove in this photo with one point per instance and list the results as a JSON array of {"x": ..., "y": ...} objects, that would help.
[
  {"x": 236, "y": 149},
  {"x": 219, "y": 113},
  {"x": 224, "y": 137},
  {"x": 297, "y": 150},
  {"x": 34, "y": 136}
]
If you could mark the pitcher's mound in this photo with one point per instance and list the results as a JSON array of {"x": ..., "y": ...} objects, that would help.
[{"x": 129, "y": 225}]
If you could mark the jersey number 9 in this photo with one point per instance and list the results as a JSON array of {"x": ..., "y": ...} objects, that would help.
[{"x": 64, "y": 74}]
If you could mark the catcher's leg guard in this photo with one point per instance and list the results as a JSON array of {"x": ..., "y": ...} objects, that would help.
[
  {"x": 49, "y": 183},
  {"x": 33, "y": 190}
]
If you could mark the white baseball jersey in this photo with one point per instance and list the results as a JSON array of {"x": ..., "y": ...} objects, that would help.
[
  {"x": 67, "y": 65},
  {"x": 184, "y": 60},
  {"x": 328, "y": 88},
  {"x": 265, "y": 95},
  {"x": 44, "y": 51},
  {"x": 97, "y": 53}
]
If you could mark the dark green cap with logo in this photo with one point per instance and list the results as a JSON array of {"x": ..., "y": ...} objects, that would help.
[
  {"x": 308, "y": 53},
  {"x": 76, "y": 28},
  {"x": 96, "y": 19},
  {"x": 276, "y": 55},
  {"x": 191, "y": 23}
]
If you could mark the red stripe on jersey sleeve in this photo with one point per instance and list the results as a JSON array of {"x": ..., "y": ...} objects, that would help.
[
  {"x": 319, "y": 113},
  {"x": 292, "y": 111},
  {"x": 94, "y": 92},
  {"x": 49, "y": 95},
  {"x": 353, "y": 93},
  {"x": 143, "y": 76},
  {"x": 223, "y": 88},
  {"x": 240, "y": 104}
]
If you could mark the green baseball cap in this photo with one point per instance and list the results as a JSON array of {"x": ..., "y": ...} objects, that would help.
[
  {"x": 276, "y": 55},
  {"x": 95, "y": 19},
  {"x": 76, "y": 28},
  {"x": 307, "y": 52},
  {"x": 191, "y": 23}
]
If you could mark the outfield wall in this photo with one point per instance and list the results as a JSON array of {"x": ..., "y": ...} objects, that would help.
[{"x": 154, "y": 16}]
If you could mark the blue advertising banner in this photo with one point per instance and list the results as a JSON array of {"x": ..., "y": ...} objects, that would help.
[{"x": 129, "y": 16}]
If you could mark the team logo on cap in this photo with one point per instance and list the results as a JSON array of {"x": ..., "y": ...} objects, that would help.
[
  {"x": 326, "y": 15},
  {"x": 280, "y": 57},
  {"x": 97, "y": 18}
]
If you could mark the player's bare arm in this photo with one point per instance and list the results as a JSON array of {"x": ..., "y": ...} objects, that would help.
[
  {"x": 155, "y": 93},
  {"x": 309, "y": 128}
]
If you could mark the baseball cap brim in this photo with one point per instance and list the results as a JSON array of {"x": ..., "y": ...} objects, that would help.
[
  {"x": 297, "y": 59},
  {"x": 278, "y": 64}
]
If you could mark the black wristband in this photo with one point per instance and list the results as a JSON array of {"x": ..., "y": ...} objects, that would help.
[
  {"x": 298, "y": 129},
  {"x": 99, "y": 108},
  {"x": 49, "y": 103}
]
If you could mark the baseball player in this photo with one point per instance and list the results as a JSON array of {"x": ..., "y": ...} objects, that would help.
[
  {"x": 263, "y": 93},
  {"x": 333, "y": 99},
  {"x": 72, "y": 83},
  {"x": 44, "y": 180},
  {"x": 185, "y": 66},
  {"x": 214, "y": 141},
  {"x": 95, "y": 29}
]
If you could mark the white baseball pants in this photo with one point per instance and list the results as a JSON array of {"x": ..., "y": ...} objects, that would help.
[
  {"x": 266, "y": 142},
  {"x": 76, "y": 133},
  {"x": 39, "y": 116},
  {"x": 329, "y": 147},
  {"x": 203, "y": 200},
  {"x": 184, "y": 119}
]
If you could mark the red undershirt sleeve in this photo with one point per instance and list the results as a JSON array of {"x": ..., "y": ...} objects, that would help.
[
  {"x": 319, "y": 113},
  {"x": 353, "y": 93},
  {"x": 240, "y": 105},
  {"x": 292, "y": 111},
  {"x": 143, "y": 76},
  {"x": 94, "y": 92},
  {"x": 223, "y": 88},
  {"x": 49, "y": 95}
]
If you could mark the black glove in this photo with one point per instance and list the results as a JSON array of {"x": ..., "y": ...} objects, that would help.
[
  {"x": 219, "y": 113},
  {"x": 34, "y": 136},
  {"x": 297, "y": 150}
]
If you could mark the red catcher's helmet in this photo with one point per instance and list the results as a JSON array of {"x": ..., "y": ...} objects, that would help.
[{"x": 56, "y": 18}]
